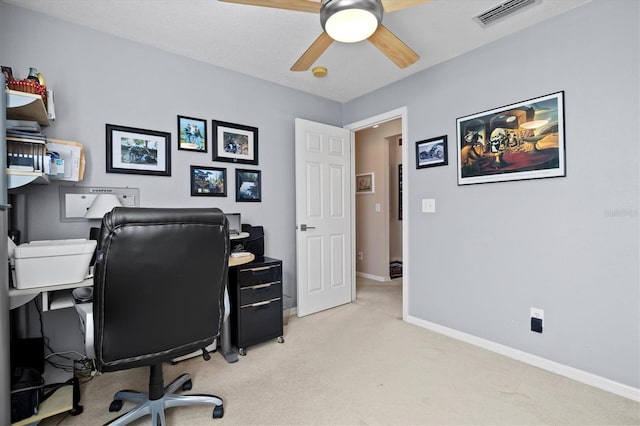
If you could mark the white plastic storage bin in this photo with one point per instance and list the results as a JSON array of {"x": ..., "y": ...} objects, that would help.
[{"x": 52, "y": 262}]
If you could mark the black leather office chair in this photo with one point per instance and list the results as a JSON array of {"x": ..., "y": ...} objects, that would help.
[{"x": 158, "y": 294}]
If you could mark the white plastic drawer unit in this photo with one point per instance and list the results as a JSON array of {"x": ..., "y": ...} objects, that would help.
[{"x": 52, "y": 262}]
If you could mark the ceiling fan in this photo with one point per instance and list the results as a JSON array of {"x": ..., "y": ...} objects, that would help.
[{"x": 348, "y": 21}]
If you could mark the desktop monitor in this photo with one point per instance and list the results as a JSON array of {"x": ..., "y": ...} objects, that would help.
[{"x": 235, "y": 224}]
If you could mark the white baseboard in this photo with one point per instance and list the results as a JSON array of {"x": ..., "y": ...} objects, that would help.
[
  {"x": 552, "y": 366},
  {"x": 372, "y": 277}
]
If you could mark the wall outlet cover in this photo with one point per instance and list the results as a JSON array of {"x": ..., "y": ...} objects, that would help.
[{"x": 536, "y": 325}]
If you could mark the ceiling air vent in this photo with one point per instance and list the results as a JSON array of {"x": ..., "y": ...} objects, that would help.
[{"x": 502, "y": 10}]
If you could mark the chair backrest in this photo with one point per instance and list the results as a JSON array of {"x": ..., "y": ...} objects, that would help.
[{"x": 158, "y": 284}]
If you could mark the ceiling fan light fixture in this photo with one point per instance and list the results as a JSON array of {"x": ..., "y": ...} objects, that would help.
[{"x": 350, "y": 21}]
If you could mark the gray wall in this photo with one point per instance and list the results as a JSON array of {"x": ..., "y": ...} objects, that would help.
[
  {"x": 101, "y": 79},
  {"x": 567, "y": 245}
]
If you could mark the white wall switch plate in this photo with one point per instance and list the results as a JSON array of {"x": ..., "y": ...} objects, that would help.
[
  {"x": 428, "y": 205},
  {"x": 537, "y": 313}
]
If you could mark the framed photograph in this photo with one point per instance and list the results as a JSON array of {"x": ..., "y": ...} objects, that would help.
[
  {"x": 399, "y": 191},
  {"x": 365, "y": 183},
  {"x": 248, "y": 185},
  {"x": 235, "y": 143},
  {"x": 192, "y": 134},
  {"x": 138, "y": 151},
  {"x": 432, "y": 152},
  {"x": 8, "y": 73},
  {"x": 209, "y": 181},
  {"x": 520, "y": 141}
]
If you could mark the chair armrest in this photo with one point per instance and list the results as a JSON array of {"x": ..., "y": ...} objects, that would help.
[
  {"x": 227, "y": 305},
  {"x": 85, "y": 314}
]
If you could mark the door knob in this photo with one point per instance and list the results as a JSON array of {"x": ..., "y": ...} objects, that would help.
[{"x": 304, "y": 227}]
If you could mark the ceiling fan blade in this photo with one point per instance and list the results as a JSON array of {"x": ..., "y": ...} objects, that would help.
[
  {"x": 298, "y": 5},
  {"x": 393, "y": 47},
  {"x": 393, "y": 5},
  {"x": 312, "y": 54}
]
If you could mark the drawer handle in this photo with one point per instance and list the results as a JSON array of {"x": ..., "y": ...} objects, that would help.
[
  {"x": 259, "y": 304},
  {"x": 263, "y": 268},
  {"x": 259, "y": 286}
]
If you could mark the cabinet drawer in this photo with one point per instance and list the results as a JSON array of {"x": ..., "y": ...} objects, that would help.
[
  {"x": 259, "y": 275},
  {"x": 260, "y": 322},
  {"x": 260, "y": 292}
]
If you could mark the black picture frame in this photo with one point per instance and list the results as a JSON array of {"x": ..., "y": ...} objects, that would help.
[
  {"x": 234, "y": 143},
  {"x": 399, "y": 191},
  {"x": 524, "y": 140},
  {"x": 192, "y": 134},
  {"x": 138, "y": 151},
  {"x": 432, "y": 152},
  {"x": 208, "y": 181},
  {"x": 248, "y": 185}
]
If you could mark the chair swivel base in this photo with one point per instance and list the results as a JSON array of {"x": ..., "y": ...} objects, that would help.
[{"x": 155, "y": 408}]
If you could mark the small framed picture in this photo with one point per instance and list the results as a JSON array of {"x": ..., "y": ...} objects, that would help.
[
  {"x": 235, "y": 143},
  {"x": 208, "y": 181},
  {"x": 138, "y": 151},
  {"x": 432, "y": 152},
  {"x": 248, "y": 185},
  {"x": 192, "y": 134},
  {"x": 365, "y": 183},
  {"x": 8, "y": 74}
]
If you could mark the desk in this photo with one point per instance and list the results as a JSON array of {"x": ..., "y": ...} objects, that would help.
[
  {"x": 226, "y": 350},
  {"x": 19, "y": 297},
  {"x": 59, "y": 296},
  {"x": 240, "y": 236},
  {"x": 62, "y": 399},
  {"x": 235, "y": 261}
]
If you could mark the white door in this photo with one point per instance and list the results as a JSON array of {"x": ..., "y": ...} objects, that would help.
[{"x": 323, "y": 216}]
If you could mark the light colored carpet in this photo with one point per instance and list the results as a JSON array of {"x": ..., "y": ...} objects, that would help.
[{"x": 360, "y": 364}]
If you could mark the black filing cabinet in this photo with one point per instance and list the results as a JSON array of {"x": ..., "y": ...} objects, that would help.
[{"x": 255, "y": 291}]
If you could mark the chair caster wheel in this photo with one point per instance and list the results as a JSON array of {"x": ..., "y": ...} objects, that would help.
[
  {"x": 218, "y": 412},
  {"x": 280, "y": 339},
  {"x": 186, "y": 386},
  {"x": 242, "y": 351},
  {"x": 116, "y": 405}
]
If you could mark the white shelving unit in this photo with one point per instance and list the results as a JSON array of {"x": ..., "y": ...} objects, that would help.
[
  {"x": 29, "y": 106},
  {"x": 25, "y": 106}
]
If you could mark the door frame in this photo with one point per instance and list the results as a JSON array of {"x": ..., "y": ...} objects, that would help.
[{"x": 401, "y": 113}]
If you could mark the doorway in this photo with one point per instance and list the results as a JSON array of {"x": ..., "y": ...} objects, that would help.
[
  {"x": 378, "y": 155},
  {"x": 399, "y": 116}
]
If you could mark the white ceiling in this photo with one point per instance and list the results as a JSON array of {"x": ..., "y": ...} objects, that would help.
[{"x": 264, "y": 42}]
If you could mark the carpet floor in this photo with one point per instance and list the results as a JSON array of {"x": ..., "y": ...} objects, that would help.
[{"x": 360, "y": 364}]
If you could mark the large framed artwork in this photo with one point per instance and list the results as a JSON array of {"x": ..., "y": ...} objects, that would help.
[
  {"x": 138, "y": 151},
  {"x": 520, "y": 141},
  {"x": 235, "y": 143}
]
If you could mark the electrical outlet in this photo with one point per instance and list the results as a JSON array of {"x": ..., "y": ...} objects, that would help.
[{"x": 537, "y": 320}]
